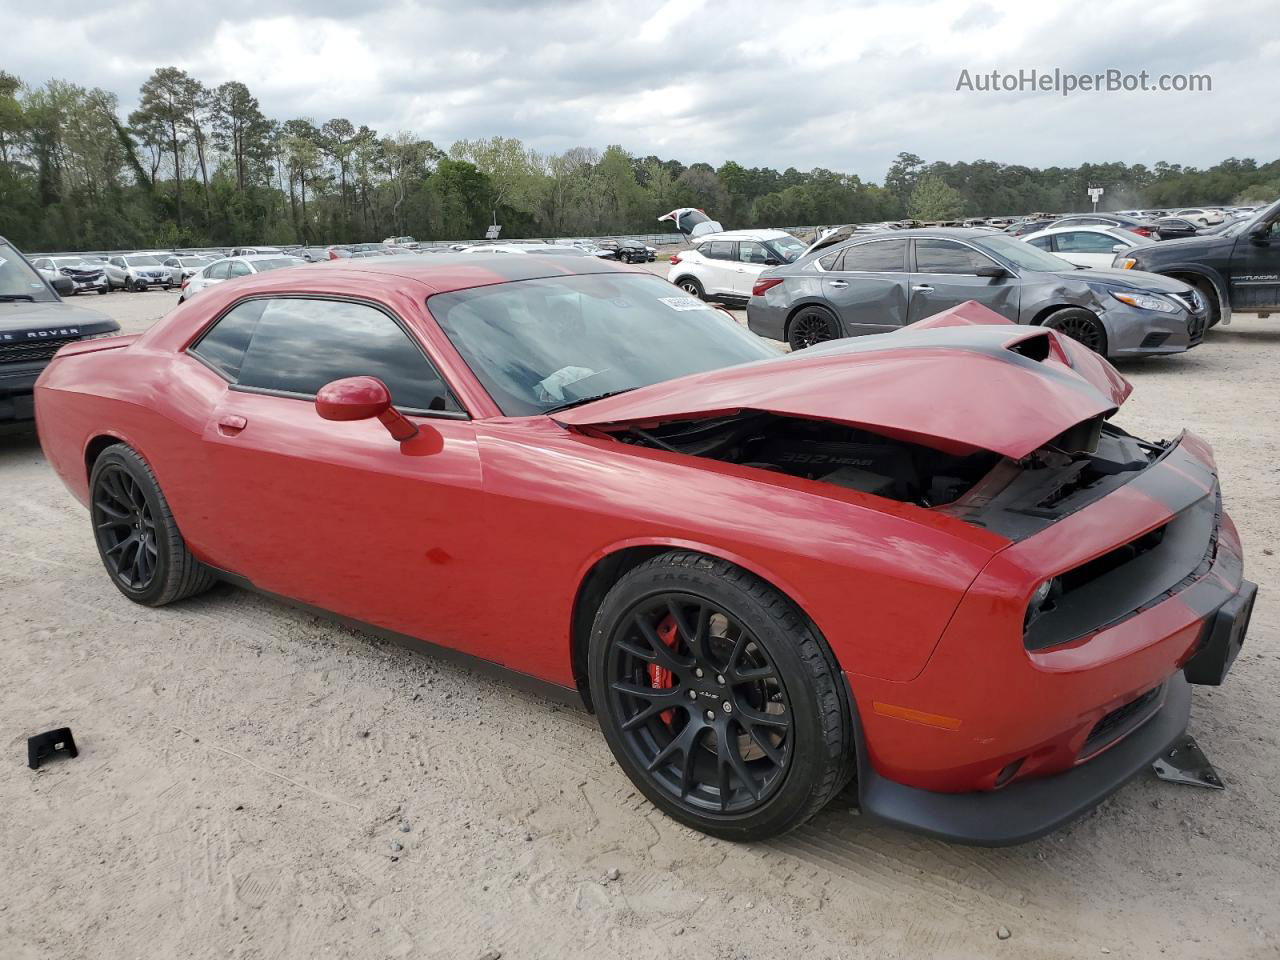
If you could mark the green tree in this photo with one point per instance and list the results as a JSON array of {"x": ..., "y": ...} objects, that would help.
[
  {"x": 933, "y": 199},
  {"x": 164, "y": 109}
]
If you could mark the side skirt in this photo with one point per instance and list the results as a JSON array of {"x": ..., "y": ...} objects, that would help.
[{"x": 567, "y": 696}]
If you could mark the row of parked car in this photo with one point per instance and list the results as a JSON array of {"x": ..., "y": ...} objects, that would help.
[
  {"x": 1105, "y": 279},
  {"x": 95, "y": 273}
]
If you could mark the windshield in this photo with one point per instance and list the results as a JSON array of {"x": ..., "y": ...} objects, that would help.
[
  {"x": 142, "y": 261},
  {"x": 262, "y": 266},
  {"x": 74, "y": 262},
  {"x": 18, "y": 281},
  {"x": 540, "y": 344},
  {"x": 192, "y": 261},
  {"x": 1022, "y": 254},
  {"x": 788, "y": 248}
]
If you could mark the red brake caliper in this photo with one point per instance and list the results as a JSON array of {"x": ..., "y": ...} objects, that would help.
[{"x": 660, "y": 677}]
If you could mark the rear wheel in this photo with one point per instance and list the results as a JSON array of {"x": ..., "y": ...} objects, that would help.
[
  {"x": 812, "y": 325},
  {"x": 692, "y": 286},
  {"x": 138, "y": 539},
  {"x": 1081, "y": 325},
  {"x": 717, "y": 699}
]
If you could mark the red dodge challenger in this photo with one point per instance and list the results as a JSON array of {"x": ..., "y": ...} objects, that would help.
[{"x": 924, "y": 562}]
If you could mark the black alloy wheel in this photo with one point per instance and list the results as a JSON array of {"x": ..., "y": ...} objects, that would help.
[
  {"x": 137, "y": 536},
  {"x": 125, "y": 526},
  {"x": 811, "y": 326},
  {"x": 700, "y": 703},
  {"x": 716, "y": 698},
  {"x": 1082, "y": 326}
]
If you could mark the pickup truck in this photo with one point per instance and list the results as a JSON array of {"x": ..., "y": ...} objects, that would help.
[
  {"x": 1236, "y": 267},
  {"x": 34, "y": 323}
]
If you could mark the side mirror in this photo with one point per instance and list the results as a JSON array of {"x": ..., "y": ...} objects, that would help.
[
  {"x": 992, "y": 272},
  {"x": 1119, "y": 248},
  {"x": 363, "y": 398},
  {"x": 63, "y": 285},
  {"x": 1261, "y": 236},
  {"x": 772, "y": 262}
]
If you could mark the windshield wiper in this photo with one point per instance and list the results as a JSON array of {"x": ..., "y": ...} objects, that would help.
[
  {"x": 10, "y": 297},
  {"x": 582, "y": 400}
]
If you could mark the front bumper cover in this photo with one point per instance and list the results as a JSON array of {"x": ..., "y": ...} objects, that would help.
[{"x": 1027, "y": 809}]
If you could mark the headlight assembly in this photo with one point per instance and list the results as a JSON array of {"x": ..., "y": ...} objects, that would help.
[{"x": 1146, "y": 301}]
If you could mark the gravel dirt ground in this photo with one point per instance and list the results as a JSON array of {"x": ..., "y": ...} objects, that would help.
[{"x": 255, "y": 782}]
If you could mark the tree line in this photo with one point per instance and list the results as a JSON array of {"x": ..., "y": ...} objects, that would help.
[{"x": 197, "y": 165}]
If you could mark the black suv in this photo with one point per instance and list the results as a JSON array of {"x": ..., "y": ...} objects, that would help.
[
  {"x": 34, "y": 323},
  {"x": 1236, "y": 268}
]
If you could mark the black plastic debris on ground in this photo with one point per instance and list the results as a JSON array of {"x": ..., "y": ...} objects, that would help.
[{"x": 44, "y": 745}]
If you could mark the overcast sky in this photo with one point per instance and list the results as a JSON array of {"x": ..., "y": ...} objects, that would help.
[{"x": 845, "y": 85}]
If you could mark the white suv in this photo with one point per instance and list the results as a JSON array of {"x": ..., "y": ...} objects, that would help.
[{"x": 724, "y": 266}]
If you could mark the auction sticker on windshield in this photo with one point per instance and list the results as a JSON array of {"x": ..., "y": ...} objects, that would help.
[{"x": 684, "y": 303}]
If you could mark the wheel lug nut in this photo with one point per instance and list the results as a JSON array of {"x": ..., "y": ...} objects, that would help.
[
  {"x": 711, "y": 715},
  {"x": 728, "y": 707},
  {"x": 692, "y": 694},
  {"x": 719, "y": 679},
  {"x": 697, "y": 672}
]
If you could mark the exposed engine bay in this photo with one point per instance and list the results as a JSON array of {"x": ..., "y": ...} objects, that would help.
[
  {"x": 1084, "y": 462},
  {"x": 829, "y": 452}
]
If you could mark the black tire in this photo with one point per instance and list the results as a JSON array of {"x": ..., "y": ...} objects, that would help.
[
  {"x": 1210, "y": 294},
  {"x": 673, "y": 740},
  {"x": 137, "y": 537},
  {"x": 812, "y": 325},
  {"x": 104, "y": 290},
  {"x": 1081, "y": 325},
  {"x": 692, "y": 286}
]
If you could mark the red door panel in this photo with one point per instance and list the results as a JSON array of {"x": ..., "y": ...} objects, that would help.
[{"x": 341, "y": 516}]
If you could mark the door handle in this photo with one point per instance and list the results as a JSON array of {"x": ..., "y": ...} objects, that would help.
[
  {"x": 923, "y": 288},
  {"x": 231, "y": 424},
  {"x": 838, "y": 283}
]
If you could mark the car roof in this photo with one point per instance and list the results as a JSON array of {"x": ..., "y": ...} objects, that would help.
[
  {"x": 744, "y": 235},
  {"x": 447, "y": 272},
  {"x": 1082, "y": 228}
]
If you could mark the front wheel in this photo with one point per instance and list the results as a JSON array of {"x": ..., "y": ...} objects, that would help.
[
  {"x": 717, "y": 699},
  {"x": 812, "y": 325},
  {"x": 1081, "y": 325},
  {"x": 138, "y": 539}
]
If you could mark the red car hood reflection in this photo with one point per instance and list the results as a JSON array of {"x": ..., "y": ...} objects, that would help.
[{"x": 963, "y": 380}]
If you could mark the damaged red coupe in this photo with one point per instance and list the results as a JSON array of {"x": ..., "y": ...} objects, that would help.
[{"x": 925, "y": 562}]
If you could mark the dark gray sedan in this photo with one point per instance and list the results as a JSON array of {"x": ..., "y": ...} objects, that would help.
[{"x": 880, "y": 283}]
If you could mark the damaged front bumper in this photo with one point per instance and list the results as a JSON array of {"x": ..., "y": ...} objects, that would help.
[{"x": 1021, "y": 737}]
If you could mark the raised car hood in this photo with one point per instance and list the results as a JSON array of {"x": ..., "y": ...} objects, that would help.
[
  {"x": 692, "y": 222},
  {"x": 962, "y": 381}
]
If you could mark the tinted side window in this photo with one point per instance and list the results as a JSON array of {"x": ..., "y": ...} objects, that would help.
[
  {"x": 1044, "y": 243},
  {"x": 223, "y": 347},
  {"x": 879, "y": 256},
  {"x": 1081, "y": 241},
  {"x": 944, "y": 256},
  {"x": 219, "y": 270},
  {"x": 717, "y": 249},
  {"x": 239, "y": 269},
  {"x": 299, "y": 345}
]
